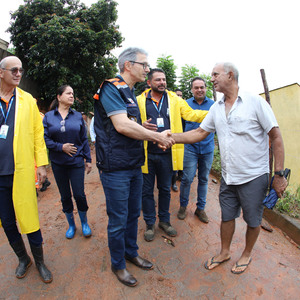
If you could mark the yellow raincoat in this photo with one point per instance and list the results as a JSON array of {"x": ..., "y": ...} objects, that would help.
[
  {"x": 178, "y": 108},
  {"x": 28, "y": 145}
]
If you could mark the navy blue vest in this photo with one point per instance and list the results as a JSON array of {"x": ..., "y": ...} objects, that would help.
[{"x": 115, "y": 151}]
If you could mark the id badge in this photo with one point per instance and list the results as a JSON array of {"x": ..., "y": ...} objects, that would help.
[
  {"x": 160, "y": 122},
  {"x": 3, "y": 131}
]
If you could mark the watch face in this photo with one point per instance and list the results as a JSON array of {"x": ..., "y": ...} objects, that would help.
[{"x": 280, "y": 173}]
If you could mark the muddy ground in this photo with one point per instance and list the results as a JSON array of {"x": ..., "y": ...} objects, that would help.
[{"x": 81, "y": 267}]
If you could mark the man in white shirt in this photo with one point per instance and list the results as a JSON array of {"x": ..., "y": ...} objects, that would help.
[{"x": 243, "y": 123}]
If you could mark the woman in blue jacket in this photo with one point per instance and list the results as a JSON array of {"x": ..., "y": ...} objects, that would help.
[{"x": 69, "y": 153}]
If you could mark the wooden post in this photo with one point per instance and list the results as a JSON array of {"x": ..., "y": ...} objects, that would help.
[{"x": 267, "y": 94}]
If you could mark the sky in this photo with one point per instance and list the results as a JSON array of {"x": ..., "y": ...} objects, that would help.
[{"x": 254, "y": 35}]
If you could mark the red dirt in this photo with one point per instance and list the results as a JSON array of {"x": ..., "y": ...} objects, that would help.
[{"x": 81, "y": 267}]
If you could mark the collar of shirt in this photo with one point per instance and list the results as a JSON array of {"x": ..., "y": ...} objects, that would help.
[
  {"x": 149, "y": 97},
  {"x": 240, "y": 97},
  {"x": 70, "y": 111},
  {"x": 7, "y": 101},
  {"x": 204, "y": 101}
]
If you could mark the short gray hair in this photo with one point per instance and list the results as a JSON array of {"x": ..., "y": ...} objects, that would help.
[
  {"x": 3, "y": 63},
  {"x": 230, "y": 67},
  {"x": 129, "y": 54}
]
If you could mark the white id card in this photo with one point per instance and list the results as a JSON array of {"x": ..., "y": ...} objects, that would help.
[
  {"x": 3, "y": 131},
  {"x": 160, "y": 122}
]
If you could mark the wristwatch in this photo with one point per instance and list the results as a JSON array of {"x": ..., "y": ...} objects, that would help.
[{"x": 280, "y": 173}]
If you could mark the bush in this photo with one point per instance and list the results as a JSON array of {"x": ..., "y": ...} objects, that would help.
[
  {"x": 216, "y": 165},
  {"x": 290, "y": 203}
]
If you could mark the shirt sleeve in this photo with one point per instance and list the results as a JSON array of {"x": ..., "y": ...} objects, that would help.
[
  {"x": 265, "y": 115},
  {"x": 48, "y": 140},
  {"x": 208, "y": 124},
  {"x": 112, "y": 100},
  {"x": 85, "y": 142},
  {"x": 92, "y": 131}
]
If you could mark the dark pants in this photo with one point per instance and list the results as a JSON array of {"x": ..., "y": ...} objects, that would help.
[
  {"x": 66, "y": 175},
  {"x": 8, "y": 217},
  {"x": 123, "y": 191},
  {"x": 159, "y": 165}
]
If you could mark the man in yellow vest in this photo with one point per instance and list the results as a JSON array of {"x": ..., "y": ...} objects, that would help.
[
  {"x": 161, "y": 110},
  {"x": 21, "y": 144}
]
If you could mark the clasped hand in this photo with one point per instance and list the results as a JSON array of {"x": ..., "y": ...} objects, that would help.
[
  {"x": 167, "y": 141},
  {"x": 69, "y": 149}
]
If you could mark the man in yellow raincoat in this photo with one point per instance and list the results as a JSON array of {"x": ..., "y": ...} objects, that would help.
[
  {"x": 161, "y": 110},
  {"x": 21, "y": 143}
]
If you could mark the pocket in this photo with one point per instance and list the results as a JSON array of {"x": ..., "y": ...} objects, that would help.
[{"x": 240, "y": 125}]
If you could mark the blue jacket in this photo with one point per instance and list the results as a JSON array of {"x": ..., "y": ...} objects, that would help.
[
  {"x": 75, "y": 133},
  {"x": 207, "y": 145}
]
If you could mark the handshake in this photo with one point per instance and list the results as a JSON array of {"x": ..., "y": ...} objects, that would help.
[{"x": 165, "y": 140}]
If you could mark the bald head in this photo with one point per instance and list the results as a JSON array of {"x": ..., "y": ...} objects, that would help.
[
  {"x": 10, "y": 72},
  {"x": 9, "y": 60}
]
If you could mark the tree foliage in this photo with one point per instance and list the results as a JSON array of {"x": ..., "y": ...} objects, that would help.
[
  {"x": 65, "y": 42},
  {"x": 167, "y": 64},
  {"x": 188, "y": 72}
]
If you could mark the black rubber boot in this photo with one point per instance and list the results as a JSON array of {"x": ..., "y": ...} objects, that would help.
[
  {"x": 174, "y": 186},
  {"x": 38, "y": 256},
  {"x": 24, "y": 259}
]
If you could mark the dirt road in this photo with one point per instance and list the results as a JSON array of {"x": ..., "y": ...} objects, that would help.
[{"x": 81, "y": 267}]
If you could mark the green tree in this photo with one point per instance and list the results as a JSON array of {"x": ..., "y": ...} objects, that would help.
[
  {"x": 167, "y": 64},
  {"x": 188, "y": 72},
  {"x": 65, "y": 42}
]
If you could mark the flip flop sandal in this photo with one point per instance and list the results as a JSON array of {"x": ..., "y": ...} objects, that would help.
[
  {"x": 212, "y": 262},
  {"x": 238, "y": 266}
]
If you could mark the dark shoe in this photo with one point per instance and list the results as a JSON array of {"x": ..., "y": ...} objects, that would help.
[
  {"x": 200, "y": 213},
  {"x": 72, "y": 228},
  {"x": 174, "y": 187},
  {"x": 86, "y": 230},
  {"x": 24, "y": 259},
  {"x": 38, "y": 256},
  {"x": 149, "y": 233},
  {"x": 140, "y": 262},
  {"x": 125, "y": 277},
  {"x": 181, "y": 213},
  {"x": 45, "y": 185},
  {"x": 167, "y": 228}
]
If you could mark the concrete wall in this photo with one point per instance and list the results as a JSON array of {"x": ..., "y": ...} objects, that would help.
[{"x": 285, "y": 103}]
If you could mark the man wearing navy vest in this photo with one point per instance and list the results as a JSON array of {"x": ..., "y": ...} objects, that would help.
[{"x": 120, "y": 155}]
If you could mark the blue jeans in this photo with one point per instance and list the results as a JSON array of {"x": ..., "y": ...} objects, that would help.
[
  {"x": 161, "y": 166},
  {"x": 191, "y": 160},
  {"x": 66, "y": 175},
  {"x": 123, "y": 193},
  {"x": 8, "y": 217}
]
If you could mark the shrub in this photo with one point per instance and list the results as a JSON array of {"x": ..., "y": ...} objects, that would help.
[{"x": 290, "y": 203}]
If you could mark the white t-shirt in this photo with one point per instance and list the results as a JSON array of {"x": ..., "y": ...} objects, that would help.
[{"x": 243, "y": 136}]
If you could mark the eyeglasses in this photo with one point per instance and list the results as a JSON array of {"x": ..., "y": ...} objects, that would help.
[
  {"x": 62, "y": 128},
  {"x": 145, "y": 65},
  {"x": 15, "y": 71}
]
